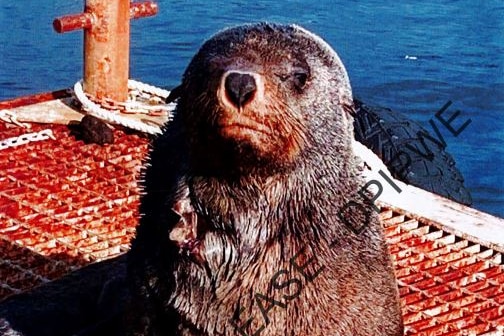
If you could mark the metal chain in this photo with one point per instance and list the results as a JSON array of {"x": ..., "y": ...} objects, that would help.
[
  {"x": 142, "y": 99},
  {"x": 118, "y": 118},
  {"x": 152, "y": 105},
  {"x": 27, "y": 138}
]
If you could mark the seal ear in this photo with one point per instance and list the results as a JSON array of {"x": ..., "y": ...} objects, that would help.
[
  {"x": 174, "y": 94},
  {"x": 345, "y": 89}
]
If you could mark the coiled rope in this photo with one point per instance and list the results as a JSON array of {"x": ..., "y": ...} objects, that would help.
[{"x": 113, "y": 117}]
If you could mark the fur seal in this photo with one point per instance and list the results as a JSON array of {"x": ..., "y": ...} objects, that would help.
[{"x": 241, "y": 230}]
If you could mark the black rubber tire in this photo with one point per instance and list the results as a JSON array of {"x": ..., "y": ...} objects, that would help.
[{"x": 390, "y": 135}]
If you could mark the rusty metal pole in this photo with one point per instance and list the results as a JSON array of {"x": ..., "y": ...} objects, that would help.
[
  {"x": 106, "y": 49},
  {"x": 106, "y": 25}
]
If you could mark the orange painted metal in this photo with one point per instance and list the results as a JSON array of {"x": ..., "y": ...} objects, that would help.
[
  {"x": 106, "y": 50},
  {"x": 143, "y": 9},
  {"x": 73, "y": 22},
  {"x": 64, "y": 204},
  {"x": 106, "y": 25},
  {"x": 34, "y": 99}
]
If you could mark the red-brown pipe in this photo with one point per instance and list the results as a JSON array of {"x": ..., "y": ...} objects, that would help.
[
  {"x": 106, "y": 49},
  {"x": 72, "y": 22},
  {"x": 106, "y": 25},
  {"x": 143, "y": 9},
  {"x": 68, "y": 23}
]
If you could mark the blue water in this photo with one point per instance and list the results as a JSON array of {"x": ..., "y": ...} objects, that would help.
[{"x": 455, "y": 49}]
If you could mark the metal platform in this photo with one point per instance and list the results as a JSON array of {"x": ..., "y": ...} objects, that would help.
[{"x": 65, "y": 204}]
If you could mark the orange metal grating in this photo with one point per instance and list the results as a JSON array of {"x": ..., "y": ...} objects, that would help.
[
  {"x": 64, "y": 204},
  {"x": 448, "y": 285}
]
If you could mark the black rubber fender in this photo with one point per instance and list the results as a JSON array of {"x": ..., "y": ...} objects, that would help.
[{"x": 408, "y": 152}]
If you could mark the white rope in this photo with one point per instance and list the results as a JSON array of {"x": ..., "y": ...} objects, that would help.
[
  {"x": 133, "y": 84},
  {"x": 115, "y": 118}
]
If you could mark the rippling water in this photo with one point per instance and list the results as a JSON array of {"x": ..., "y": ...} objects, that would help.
[{"x": 409, "y": 56}]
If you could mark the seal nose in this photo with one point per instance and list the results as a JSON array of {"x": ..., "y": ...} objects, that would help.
[{"x": 240, "y": 88}]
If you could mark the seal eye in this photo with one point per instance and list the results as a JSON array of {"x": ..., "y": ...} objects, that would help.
[
  {"x": 282, "y": 77},
  {"x": 300, "y": 79}
]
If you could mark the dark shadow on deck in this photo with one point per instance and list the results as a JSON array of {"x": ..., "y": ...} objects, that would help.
[{"x": 89, "y": 301}]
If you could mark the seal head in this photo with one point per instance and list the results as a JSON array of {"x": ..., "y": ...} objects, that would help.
[{"x": 253, "y": 98}]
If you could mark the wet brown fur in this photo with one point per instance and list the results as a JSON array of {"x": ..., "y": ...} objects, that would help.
[{"x": 266, "y": 183}]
